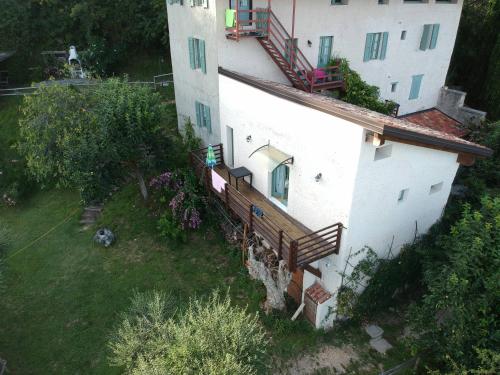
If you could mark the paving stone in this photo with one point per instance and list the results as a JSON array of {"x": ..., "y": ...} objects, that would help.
[
  {"x": 374, "y": 331},
  {"x": 380, "y": 345}
]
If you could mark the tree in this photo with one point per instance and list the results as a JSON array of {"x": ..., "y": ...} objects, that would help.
[
  {"x": 210, "y": 337},
  {"x": 89, "y": 139},
  {"x": 457, "y": 317}
]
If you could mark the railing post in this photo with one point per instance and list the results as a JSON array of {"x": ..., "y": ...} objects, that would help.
[
  {"x": 250, "y": 218},
  {"x": 221, "y": 152},
  {"x": 280, "y": 245},
  {"x": 339, "y": 238},
  {"x": 226, "y": 192},
  {"x": 292, "y": 257},
  {"x": 237, "y": 20}
]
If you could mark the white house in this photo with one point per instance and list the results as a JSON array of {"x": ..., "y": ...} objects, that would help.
[{"x": 326, "y": 176}]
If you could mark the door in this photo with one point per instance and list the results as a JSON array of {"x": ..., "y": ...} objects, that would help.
[
  {"x": 242, "y": 5},
  {"x": 280, "y": 180},
  {"x": 288, "y": 49},
  {"x": 325, "y": 51},
  {"x": 230, "y": 146}
]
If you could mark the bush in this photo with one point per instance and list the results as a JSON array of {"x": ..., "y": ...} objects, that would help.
[
  {"x": 209, "y": 337},
  {"x": 360, "y": 93},
  {"x": 180, "y": 202}
]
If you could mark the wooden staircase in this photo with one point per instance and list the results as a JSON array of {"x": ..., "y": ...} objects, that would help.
[{"x": 275, "y": 39}]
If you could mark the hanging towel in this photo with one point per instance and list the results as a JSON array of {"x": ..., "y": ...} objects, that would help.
[
  {"x": 230, "y": 17},
  {"x": 218, "y": 183}
]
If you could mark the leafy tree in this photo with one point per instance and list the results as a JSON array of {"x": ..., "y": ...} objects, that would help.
[
  {"x": 458, "y": 314},
  {"x": 89, "y": 139},
  {"x": 209, "y": 337}
]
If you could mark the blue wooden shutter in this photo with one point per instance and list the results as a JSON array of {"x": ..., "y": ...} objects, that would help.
[
  {"x": 424, "y": 42},
  {"x": 383, "y": 50},
  {"x": 208, "y": 118},
  {"x": 368, "y": 47},
  {"x": 416, "y": 82},
  {"x": 434, "y": 36},
  {"x": 191, "y": 53},
  {"x": 202, "y": 58},
  {"x": 325, "y": 50}
]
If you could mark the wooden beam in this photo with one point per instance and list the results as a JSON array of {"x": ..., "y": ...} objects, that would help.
[
  {"x": 316, "y": 272},
  {"x": 375, "y": 139},
  {"x": 466, "y": 159}
]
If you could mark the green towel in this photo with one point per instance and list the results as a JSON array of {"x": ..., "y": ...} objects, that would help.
[{"x": 230, "y": 17}]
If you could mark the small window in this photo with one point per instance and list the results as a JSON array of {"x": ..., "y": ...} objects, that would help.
[
  {"x": 199, "y": 3},
  {"x": 435, "y": 188},
  {"x": 394, "y": 86},
  {"x": 403, "y": 194},
  {"x": 383, "y": 152},
  {"x": 381, "y": 2},
  {"x": 403, "y": 35},
  {"x": 172, "y": 2},
  {"x": 339, "y": 2}
]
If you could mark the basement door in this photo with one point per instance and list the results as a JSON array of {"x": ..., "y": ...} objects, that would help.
[{"x": 242, "y": 5}]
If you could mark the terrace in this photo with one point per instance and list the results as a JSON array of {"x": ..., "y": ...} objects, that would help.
[{"x": 291, "y": 240}]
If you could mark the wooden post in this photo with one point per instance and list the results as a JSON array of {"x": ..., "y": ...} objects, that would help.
[
  {"x": 292, "y": 257},
  {"x": 250, "y": 218},
  {"x": 221, "y": 153},
  {"x": 280, "y": 246},
  {"x": 226, "y": 193},
  {"x": 244, "y": 243},
  {"x": 339, "y": 237}
]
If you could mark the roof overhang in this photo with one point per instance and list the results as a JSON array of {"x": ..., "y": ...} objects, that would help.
[{"x": 367, "y": 119}]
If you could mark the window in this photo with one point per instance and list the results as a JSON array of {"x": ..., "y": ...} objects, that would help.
[
  {"x": 429, "y": 37},
  {"x": 325, "y": 50},
  {"x": 416, "y": 82},
  {"x": 197, "y": 58},
  {"x": 403, "y": 194},
  {"x": 383, "y": 152},
  {"x": 376, "y": 46},
  {"x": 394, "y": 86},
  {"x": 339, "y": 2},
  {"x": 199, "y": 3},
  {"x": 171, "y": 2},
  {"x": 403, "y": 35},
  {"x": 435, "y": 188},
  {"x": 381, "y": 2},
  {"x": 203, "y": 118},
  {"x": 446, "y": 1}
]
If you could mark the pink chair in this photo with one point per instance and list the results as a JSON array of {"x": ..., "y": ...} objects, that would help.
[{"x": 319, "y": 74}]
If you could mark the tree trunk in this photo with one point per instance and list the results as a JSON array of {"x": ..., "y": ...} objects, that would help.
[
  {"x": 142, "y": 184},
  {"x": 275, "y": 286}
]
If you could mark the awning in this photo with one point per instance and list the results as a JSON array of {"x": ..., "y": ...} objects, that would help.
[{"x": 274, "y": 156}]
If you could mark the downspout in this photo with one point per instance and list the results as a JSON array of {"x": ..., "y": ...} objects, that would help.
[{"x": 292, "y": 42}]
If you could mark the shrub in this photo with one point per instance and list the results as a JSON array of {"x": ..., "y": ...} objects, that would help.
[
  {"x": 180, "y": 201},
  {"x": 209, "y": 337},
  {"x": 360, "y": 93}
]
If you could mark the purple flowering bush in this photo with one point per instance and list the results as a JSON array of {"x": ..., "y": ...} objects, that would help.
[{"x": 180, "y": 202}]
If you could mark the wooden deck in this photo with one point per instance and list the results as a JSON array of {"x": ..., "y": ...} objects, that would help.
[{"x": 292, "y": 241}]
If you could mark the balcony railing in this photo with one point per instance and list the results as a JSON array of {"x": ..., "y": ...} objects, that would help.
[{"x": 296, "y": 251}]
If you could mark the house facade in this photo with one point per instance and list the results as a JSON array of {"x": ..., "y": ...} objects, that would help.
[
  {"x": 327, "y": 178},
  {"x": 401, "y": 46}
]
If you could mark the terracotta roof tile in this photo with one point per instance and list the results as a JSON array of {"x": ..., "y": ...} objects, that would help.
[
  {"x": 318, "y": 294},
  {"x": 435, "y": 119}
]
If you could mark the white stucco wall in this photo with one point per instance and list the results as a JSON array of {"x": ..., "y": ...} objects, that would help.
[
  {"x": 193, "y": 85},
  {"x": 356, "y": 190},
  {"x": 349, "y": 24}
]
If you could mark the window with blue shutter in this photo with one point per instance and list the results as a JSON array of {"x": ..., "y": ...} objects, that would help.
[
  {"x": 203, "y": 116},
  {"x": 429, "y": 37},
  {"x": 416, "y": 82},
  {"x": 325, "y": 50},
  {"x": 172, "y": 2},
  {"x": 197, "y": 58},
  {"x": 376, "y": 46}
]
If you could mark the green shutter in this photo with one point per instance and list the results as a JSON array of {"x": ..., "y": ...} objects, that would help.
[
  {"x": 416, "y": 82},
  {"x": 368, "y": 47},
  {"x": 325, "y": 50},
  {"x": 191, "y": 53},
  {"x": 208, "y": 118},
  {"x": 424, "y": 43},
  {"x": 202, "y": 58},
  {"x": 434, "y": 37},
  {"x": 383, "y": 50},
  {"x": 198, "y": 114}
]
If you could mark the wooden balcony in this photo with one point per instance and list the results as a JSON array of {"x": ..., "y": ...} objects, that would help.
[{"x": 291, "y": 240}]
